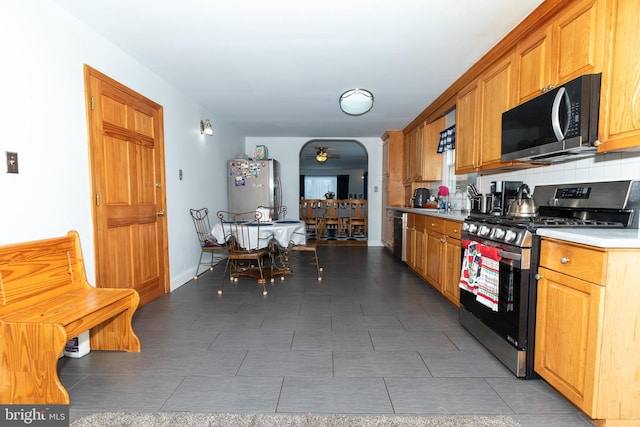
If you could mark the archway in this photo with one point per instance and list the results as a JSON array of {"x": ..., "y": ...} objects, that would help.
[{"x": 335, "y": 169}]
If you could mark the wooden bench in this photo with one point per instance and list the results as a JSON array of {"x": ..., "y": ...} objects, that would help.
[{"x": 45, "y": 300}]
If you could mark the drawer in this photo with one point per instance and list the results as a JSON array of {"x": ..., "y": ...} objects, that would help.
[
  {"x": 452, "y": 229},
  {"x": 416, "y": 221},
  {"x": 421, "y": 222},
  {"x": 577, "y": 261},
  {"x": 435, "y": 224}
]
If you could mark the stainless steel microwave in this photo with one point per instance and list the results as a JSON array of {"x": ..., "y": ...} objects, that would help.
[{"x": 560, "y": 124}]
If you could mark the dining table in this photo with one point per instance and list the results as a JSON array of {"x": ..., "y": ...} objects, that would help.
[
  {"x": 278, "y": 235},
  {"x": 283, "y": 232}
]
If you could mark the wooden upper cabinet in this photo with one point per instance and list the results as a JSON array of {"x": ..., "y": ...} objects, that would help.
[
  {"x": 572, "y": 44},
  {"x": 408, "y": 167},
  {"x": 578, "y": 40},
  {"x": 496, "y": 97},
  {"x": 392, "y": 168},
  {"x": 479, "y": 111},
  {"x": 467, "y": 119},
  {"x": 533, "y": 65},
  {"x": 418, "y": 153},
  {"x": 422, "y": 162},
  {"x": 620, "y": 97},
  {"x": 432, "y": 161}
]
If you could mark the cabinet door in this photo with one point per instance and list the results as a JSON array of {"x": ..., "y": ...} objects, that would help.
[
  {"x": 568, "y": 319},
  {"x": 467, "y": 130},
  {"x": 496, "y": 97},
  {"x": 431, "y": 160},
  {"x": 620, "y": 100},
  {"x": 578, "y": 40},
  {"x": 533, "y": 65},
  {"x": 435, "y": 259},
  {"x": 409, "y": 143},
  {"x": 452, "y": 265},
  {"x": 409, "y": 244},
  {"x": 421, "y": 251},
  {"x": 418, "y": 153}
]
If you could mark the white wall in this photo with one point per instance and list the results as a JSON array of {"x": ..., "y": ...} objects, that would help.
[
  {"x": 287, "y": 151},
  {"x": 43, "y": 120}
]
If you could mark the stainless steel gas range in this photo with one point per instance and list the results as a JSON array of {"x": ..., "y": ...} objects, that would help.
[{"x": 506, "y": 326}]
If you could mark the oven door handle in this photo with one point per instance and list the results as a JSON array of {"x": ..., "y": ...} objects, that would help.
[{"x": 510, "y": 255}]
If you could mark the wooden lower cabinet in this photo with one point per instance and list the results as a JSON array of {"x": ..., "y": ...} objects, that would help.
[
  {"x": 416, "y": 241},
  {"x": 452, "y": 265},
  {"x": 434, "y": 253},
  {"x": 587, "y": 340}
]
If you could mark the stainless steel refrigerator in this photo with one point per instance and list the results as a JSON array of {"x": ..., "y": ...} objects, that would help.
[{"x": 254, "y": 183}]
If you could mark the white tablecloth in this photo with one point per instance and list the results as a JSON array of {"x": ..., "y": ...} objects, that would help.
[{"x": 284, "y": 231}]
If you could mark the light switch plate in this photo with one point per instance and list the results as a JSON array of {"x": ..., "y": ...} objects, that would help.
[{"x": 12, "y": 162}]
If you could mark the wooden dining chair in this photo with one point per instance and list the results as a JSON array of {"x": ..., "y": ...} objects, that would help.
[
  {"x": 309, "y": 214},
  {"x": 307, "y": 247},
  {"x": 216, "y": 251},
  {"x": 331, "y": 218},
  {"x": 246, "y": 248},
  {"x": 358, "y": 217}
]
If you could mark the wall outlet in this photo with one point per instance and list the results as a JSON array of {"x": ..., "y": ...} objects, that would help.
[{"x": 12, "y": 162}]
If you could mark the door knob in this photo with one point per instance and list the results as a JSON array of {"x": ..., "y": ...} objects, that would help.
[{"x": 161, "y": 213}]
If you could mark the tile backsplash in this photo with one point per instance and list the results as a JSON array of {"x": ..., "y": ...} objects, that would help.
[{"x": 602, "y": 167}]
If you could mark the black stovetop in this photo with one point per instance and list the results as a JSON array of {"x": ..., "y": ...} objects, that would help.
[
  {"x": 549, "y": 216},
  {"x": 545, "y": 221}
]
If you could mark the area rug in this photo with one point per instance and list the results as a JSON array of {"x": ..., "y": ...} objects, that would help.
[{"x": 195, "y": 419}]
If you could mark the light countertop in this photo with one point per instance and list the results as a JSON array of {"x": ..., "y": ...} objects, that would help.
[
  {"x": 452, "y": 215},
  {"x": 601, "y": 238},
  {"x": 597, "y": 237}
]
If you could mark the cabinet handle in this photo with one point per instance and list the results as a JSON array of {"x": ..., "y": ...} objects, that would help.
[
  {"x": 433, "y": 224},
  {"x": 597, "y": 143},
  {"x": 443, "y": 241},
  {"x": 538, "y": 277},
  {"x": 455, "y": 230},
  {"x": 564, "y": 260}
]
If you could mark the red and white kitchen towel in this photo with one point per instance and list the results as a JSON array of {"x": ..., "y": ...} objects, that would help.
[{"x": 480, "y": 273}]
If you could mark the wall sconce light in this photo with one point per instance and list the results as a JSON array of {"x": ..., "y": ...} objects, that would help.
[
  {"x": 356, "y": 102},
  {"x": 206, "y": 128}
]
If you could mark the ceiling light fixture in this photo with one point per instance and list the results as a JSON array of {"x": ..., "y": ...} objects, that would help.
[
  {"x": 321, "y": 156},
  {"x": 206, "y": 127},
  {"x": 356, "y": 102}
]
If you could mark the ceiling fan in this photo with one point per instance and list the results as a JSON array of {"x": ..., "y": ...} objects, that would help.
[{"x": 321, "y": 155}]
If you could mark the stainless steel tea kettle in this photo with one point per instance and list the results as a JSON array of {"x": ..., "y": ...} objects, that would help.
[{"x": 523, "y": 206}]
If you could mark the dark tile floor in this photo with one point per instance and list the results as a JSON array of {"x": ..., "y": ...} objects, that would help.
[{"x": 370, "y": 338}]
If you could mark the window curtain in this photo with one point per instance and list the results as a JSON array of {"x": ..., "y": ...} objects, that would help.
[
  {"x": 447, "y": 139},
  {"x": 366, "y": 185},
  {"x": 302, "y": 186},
  {"x": 343, "y": 187}
]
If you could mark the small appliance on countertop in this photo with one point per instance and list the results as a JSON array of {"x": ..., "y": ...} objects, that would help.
[
  {"x": 502, "y": 194},
  {"x": 420, "y": 197}
]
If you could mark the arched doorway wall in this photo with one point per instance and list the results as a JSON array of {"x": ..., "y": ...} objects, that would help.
[{"x": 347, "y": 162}]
